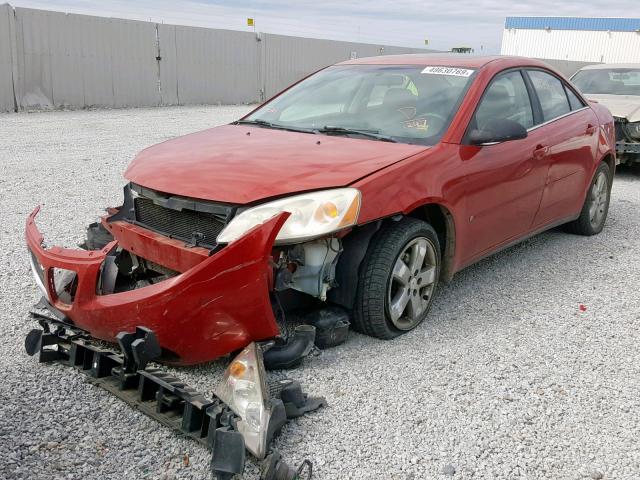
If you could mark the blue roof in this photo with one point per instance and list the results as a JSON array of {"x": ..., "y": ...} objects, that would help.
[{"x": 574, "y": 23}]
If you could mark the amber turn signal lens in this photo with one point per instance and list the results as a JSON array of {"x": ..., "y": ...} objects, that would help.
[
  {"x": 351, "y": 217},
  {"x": 237, "y": 369}
]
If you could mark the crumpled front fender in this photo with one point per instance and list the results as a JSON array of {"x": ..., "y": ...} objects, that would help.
[{"x": 216, "y": 307}]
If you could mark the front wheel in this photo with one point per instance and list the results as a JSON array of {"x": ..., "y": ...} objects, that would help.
[
  {"x": 398, "y": 279},
  {"x": 596, "y": 206}
]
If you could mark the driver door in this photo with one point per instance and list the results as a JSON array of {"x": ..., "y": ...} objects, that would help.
[{"x": 504, "y": 180}]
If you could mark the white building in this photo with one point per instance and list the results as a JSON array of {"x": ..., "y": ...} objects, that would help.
[{"x": 608, "y": 40}]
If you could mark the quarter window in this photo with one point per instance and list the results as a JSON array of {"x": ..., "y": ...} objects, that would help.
[
  {"x": 551, "y": 94},
  {"x": 574, "y": 101},
  {"x": 506, "y": 98}
]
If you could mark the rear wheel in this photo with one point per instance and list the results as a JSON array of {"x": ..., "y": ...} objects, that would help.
[
  {"x": 596, "y": 206},
  {"x": 398, "y": 279}
]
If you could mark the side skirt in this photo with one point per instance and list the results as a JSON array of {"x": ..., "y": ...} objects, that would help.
[{"x": 518, "y": 240}]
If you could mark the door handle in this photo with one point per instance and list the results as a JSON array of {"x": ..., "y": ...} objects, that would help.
[
  {"x": 591, "y": 129},
  {"x": 540, "y": 151}
]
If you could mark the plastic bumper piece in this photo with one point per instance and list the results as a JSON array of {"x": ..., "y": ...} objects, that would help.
[{"x": 218, "y": 306}]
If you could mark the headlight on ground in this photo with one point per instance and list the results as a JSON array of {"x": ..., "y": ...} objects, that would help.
[
  {"x": 633, "y": 129},
  {"x": 313, "y": 215},
  {"x": 243, "y": 390}
]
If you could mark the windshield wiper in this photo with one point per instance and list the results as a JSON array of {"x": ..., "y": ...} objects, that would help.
[
  {"x": 266, "y": 124},
  {"x": 357, "y": 131}
]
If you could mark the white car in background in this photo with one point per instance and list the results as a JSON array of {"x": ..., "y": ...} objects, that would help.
[{"x": 617, "y": 87}]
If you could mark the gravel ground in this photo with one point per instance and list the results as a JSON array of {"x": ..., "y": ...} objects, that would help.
[{"x": 509, "y": 378}]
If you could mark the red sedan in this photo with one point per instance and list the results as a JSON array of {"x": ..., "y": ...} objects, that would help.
[{"x": 355, "y": 190}]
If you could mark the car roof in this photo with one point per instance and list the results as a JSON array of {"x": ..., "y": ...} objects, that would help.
[
  {"x": 446, "y": 59},
  {"x": 606, "y": 66}
]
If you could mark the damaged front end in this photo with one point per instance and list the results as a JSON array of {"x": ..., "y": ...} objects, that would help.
[
  {"x": 156, "y": 262},
  {"x": 244, "y": 413},
  {"x": 153, "y": 279},
  {"x": 208, "y": 304}
]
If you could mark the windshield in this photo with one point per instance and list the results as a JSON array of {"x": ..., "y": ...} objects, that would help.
[
  {"x": 409, "y": 104},
  {"x": 615, "y": 81}
]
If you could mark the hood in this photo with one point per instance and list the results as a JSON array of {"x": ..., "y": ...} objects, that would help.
[
  {"x": 242, "y": 164},
  {"x": 622, "y": 106}
]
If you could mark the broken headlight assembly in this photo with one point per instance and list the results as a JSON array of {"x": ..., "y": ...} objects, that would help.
[
  {"x": 243, "y": 389},
  {"x": 313, "y": 215}
]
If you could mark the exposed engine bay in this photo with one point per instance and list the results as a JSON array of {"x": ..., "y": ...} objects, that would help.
[{"x": 308, "y": 267}]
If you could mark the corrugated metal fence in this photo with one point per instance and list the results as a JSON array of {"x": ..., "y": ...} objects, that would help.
[{"x": 57, "y": 60}]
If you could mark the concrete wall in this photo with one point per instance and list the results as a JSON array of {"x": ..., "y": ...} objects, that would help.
[
  {"x": 7, "y": 47},
  {"x": 67, "y": 60},
  {"x": 57, "y": 60},
  {"x": 214, "y": 66},
  {"x": 287, "y": 59}
]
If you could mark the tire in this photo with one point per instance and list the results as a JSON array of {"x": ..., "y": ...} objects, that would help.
[
  {"x": 596, "y": 206},
  {"x": 384, "y": 284}
]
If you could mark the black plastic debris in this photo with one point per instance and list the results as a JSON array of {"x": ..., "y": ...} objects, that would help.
[
  {"x": 274, "y": 468},
  {"x": 167, "y": 399},
  {"x": 286, "y": 354},
  {"x": 332, "y": 326}
]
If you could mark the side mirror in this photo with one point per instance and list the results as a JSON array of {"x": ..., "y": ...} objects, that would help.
[{"x": 497, "y": 130}]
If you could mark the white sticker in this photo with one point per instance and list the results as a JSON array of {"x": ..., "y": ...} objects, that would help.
[{"x": 454, "y": 71}]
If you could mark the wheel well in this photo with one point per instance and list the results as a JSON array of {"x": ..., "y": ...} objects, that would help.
[
  {"x": 441, "y": 220},
  {"x": 355, "y": 246},
  {"x": 608, "y": 159}
]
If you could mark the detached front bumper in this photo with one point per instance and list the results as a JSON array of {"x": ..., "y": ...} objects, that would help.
[{"x": 217, "y": 305}]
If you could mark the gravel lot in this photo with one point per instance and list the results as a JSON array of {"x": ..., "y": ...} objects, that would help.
[{"x": 508, "y": 378}]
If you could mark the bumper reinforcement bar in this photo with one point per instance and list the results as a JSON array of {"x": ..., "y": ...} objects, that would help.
[
  {"x": 625, "y": 147},
  {"x": 165, "y": 398}
]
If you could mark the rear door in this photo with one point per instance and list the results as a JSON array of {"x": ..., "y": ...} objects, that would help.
[{"x": 570, "y": 132}]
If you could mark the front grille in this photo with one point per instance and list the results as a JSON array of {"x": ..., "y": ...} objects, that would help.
[{"x": 187, "y": 225}]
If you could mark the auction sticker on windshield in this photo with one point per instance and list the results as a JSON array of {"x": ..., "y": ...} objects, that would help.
[{"x": 457, "y": 72}]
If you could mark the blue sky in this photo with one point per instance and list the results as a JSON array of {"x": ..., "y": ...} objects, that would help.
[{"x": 476, "y": 23}]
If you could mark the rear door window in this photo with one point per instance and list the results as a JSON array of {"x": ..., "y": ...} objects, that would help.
[{"x": 551, "y": 93}]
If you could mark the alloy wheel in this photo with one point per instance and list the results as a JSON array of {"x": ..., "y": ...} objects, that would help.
[
  {"x": 599, "y": 198},
  {"x": 412, "y": 282}
]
